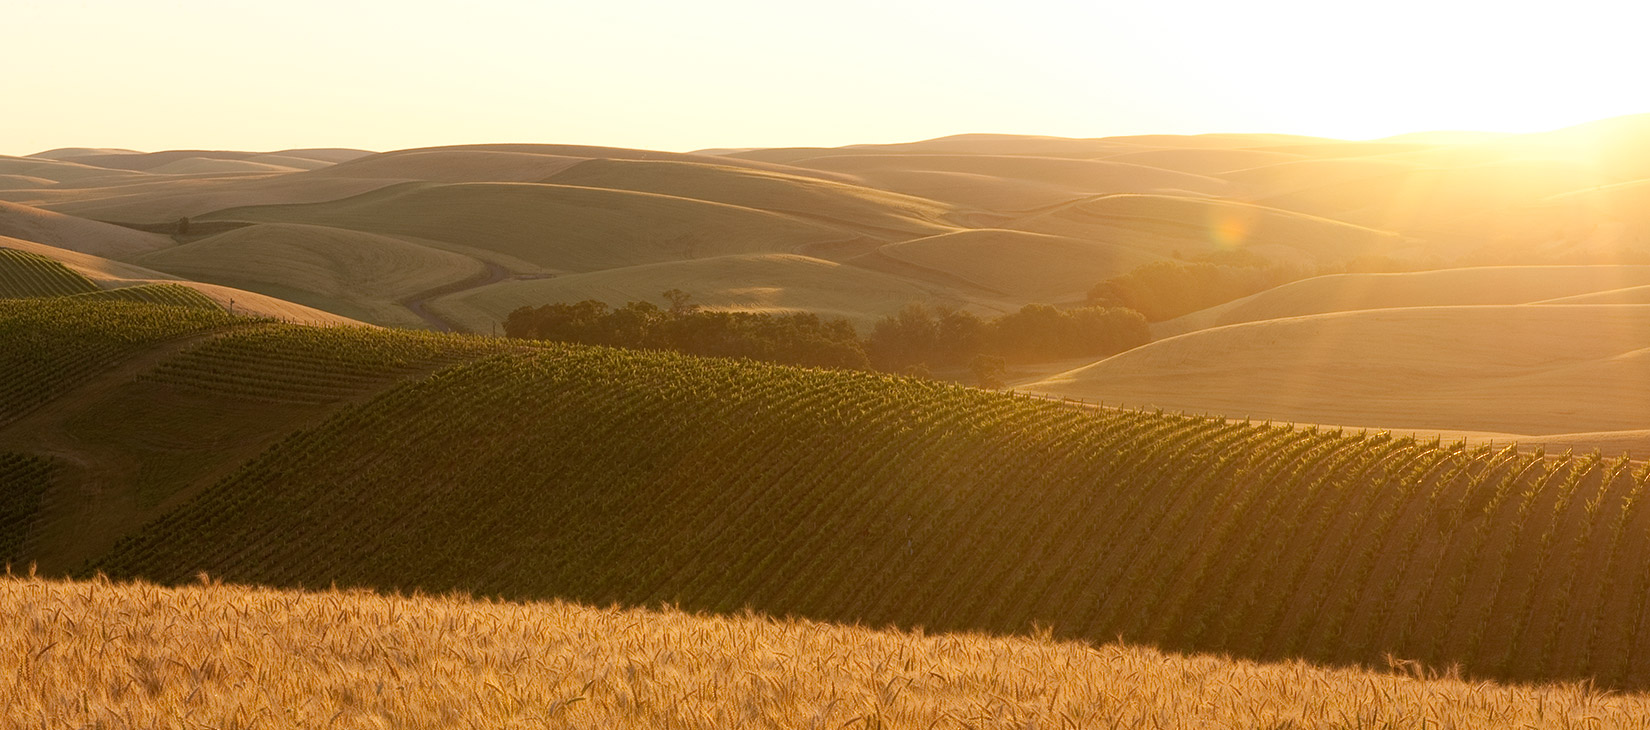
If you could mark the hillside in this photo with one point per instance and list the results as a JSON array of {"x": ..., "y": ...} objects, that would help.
[
  {"x": 75, "y": 234},
  {"x": 1447, "y": 287},
  {"x": 360, "y": 275},
  {"x": 420, "y": 461},
  {"x": 1014, "y": 265},
  {"x": 1531, "y": 370},
  {"x": 1165, "y": 225},
  {"x": 113, "y": 276},
  {"x": 746, "y": 283},
  {"x": 360, "y": 659},
  {"x": 559, "y": 227},
  {"x": 1007, "y": 183}
]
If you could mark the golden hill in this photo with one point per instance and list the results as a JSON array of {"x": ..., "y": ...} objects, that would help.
[
  {"x": 748, "y": 283},
  {"x": 76, "y": 234},
  {"x": 1479, "y": 285},
  {"x": 1016, "y": 265},
  {"x": 1168, "y": 225},
  {"x": 111, "y": 274},
  {"x": 1008, "y": 183},
  {"x": 359, "y": 275},
  {"x": 557, "y": 226},
  {"x": 869, "y": 210},
  {"x": 1515, "y": 369}
]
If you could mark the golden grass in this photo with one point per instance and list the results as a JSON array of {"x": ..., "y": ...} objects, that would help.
[
  {"x": 198, "y": 165},
  {"x": 100, "y": 654},
  {"x": 1203, "y": 161},
  {"x": 111, "y": 274},
  {"x": 558, "y": 226},
  {"x": 869, "y": 210},
  {"x": 454, "y": 165},
  {"x": 1166, "y": 225},
  {"x": 1444, "y": 287},
  {"x": 754, "y": 283},
  {"x": 1521, "y": 369},
  {"x": 361, "y": 275},
  {"x": 1008, "y": 183},
  {"x": 76, "y": 234},
  {"x": 1030, "y": 267}
]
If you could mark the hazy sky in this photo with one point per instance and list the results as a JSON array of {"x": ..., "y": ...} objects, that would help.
[{"x": 725, "y": 73}]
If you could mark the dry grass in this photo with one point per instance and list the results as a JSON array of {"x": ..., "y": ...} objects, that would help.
[
  {"x": 97, "y": 654},
  {"x": 1524, "y": 369}
]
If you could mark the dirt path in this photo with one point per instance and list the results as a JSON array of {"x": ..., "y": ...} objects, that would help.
[{"x": 419, "y": 303}]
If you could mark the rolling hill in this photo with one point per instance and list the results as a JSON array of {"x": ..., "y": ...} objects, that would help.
[
  {"x": 559, "y": 227},
  {"x": 1531, "y": 370},
  {"x": 1008, "y": 184},
  {"x": 76, "y": 234},
  {"x": 1015, "y": 265},
  {"x": 405, "y": 461},
  {"x": 1165, "y": 225},
  {"x": 1446, "y": 287},
  {"x": 774, "y": 283},
  {"x": 360, "y": 275}
]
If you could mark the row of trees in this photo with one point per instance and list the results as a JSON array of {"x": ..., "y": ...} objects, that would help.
[
  {"x": 788, "y": 339},
  {"x": 916, "y": 340}
]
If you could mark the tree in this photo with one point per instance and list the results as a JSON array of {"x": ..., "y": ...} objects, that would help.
[{"x": 989, "y": 371}]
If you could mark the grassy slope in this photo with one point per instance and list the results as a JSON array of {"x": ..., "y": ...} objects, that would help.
[
  {"x": 115, "y": 275},
  {"x": 1521, "y": 369},
  {"x": 360, "y": 275},
  {"x": 164, "y": 199},
  {"x": 1438, "y": 200},
  {"x": 603, "y": 475},
  {"x": 1030, "y": 267},
  {"x": 561, "y": 227},
  {"x": 1007, "y": 183},
  {"x": 873, "y": 211},
  {"x": 357, "y": 659},
  {"x": 1447, "y": 287},
  {"x": 1166, "y": 224},
  {"x": 452, "y": 165},
  {"x": 76, "y": 234},
  {"x": 762, "y": 282},
  {"x": 1203, "y": 161}
]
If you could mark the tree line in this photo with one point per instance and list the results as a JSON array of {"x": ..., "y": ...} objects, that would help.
[{"x": 917, "y": 340}]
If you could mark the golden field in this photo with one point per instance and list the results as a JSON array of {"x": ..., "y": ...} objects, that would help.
[{"x": 133, "y": 655}]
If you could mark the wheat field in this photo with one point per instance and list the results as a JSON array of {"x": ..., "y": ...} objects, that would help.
[{"x": 98, "y": 654}]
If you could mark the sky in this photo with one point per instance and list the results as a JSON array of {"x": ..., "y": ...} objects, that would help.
[{"x": 228, "y": 74}]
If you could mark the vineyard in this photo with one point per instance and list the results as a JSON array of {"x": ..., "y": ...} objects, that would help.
[
  {"x": 298, "y": 364},
  {"x": 48, "y": 346},
  {"x": 176, "y": 295},
  {"x": 23, "y": 480},
  {"x": 645, "y": 478},
  {"x": 24, "y": 274},
  {"x": 302, "y": 457}
]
